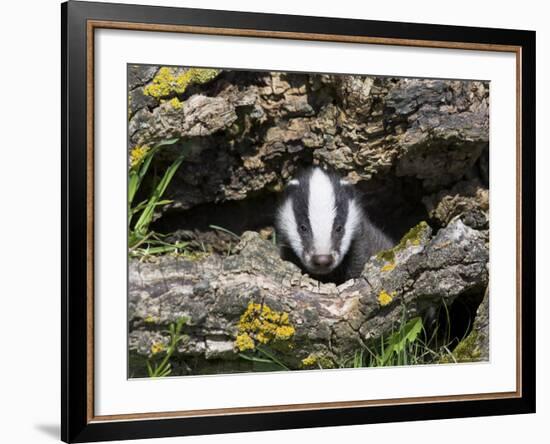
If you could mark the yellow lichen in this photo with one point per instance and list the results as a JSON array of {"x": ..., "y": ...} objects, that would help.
[
  {"x": 137, "y": 154},
  {"x": 175, "y": 103},
  {"x": 319, "y": 360},
  {"x": 244, "y": 342},
  {"x": 310, "y": 360},
  {"x": 385, "y": 298},
  {"x": 168, "y": 82},
  {"x": 388, "y": 267},
  {"x": 157, "y": 347},
  {"x": 150, "y": 319},
  {"x": 262, "y": 338},
  {"x": 259, "y": 324},
  {"x": 162, "y": 85},
  {"x": 284, "y": 332}
]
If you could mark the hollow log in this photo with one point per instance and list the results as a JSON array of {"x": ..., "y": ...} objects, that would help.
[
  {"x": 327, "y": 321},
  {"x": 249, "y": 132}
]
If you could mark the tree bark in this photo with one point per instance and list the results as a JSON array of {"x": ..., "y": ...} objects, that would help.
[
  {"x": 328, "y": 322},
  {"x": 250, "y": 132}
]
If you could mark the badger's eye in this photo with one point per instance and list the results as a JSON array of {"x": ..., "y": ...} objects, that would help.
[
  {"x": 303, "y": 228},
  {"x": 339, "y": 228}
]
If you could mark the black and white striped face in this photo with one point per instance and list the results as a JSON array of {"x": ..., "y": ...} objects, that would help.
[{"x": 318, "y": 219}]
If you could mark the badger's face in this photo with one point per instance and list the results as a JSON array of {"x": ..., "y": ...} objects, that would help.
[{"x": 318, "y": 219}]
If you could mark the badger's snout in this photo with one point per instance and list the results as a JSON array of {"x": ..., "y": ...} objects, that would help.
[
  {"x": 319, "y": 264},
  {"x": 322, "y": 263},
  {"x": 322, "y": 260}
]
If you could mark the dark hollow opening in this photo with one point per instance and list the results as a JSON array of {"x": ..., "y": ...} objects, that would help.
[{"x": 392, "y": 205}]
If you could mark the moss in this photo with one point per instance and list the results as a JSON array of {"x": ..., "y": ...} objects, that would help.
[
  {"x": 168, "y": 82},
  {"x": 388, "y": 267},
  {"x": 310, "y": 360},
  {"x": 386, "y": 255},
  {"x": 259, "y": 324},
  {"x": 318, "y": 360},
  {"x": 412, "y": 237},
  {"x": 385, "y": 298},
  {"x": 194, "y": 255},
  {"x": 466, "y": 351},
  {"x": 150, "y": 319},
  {"x": 325, "y": 362}
]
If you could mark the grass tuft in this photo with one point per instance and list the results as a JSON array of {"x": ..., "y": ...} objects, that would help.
[
  {"x": 409, "y": 344},
  {"x": 164, "y": 368},
  {"x": 141, "y": 240}
]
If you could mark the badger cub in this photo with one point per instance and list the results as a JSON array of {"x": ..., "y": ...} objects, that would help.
[{"x": 322, "y": 228}]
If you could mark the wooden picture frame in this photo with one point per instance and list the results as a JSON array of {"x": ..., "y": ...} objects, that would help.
[{"x": 79, "y": 22}]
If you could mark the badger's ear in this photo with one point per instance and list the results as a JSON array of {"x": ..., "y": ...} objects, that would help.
[
  {"x": 293, "y": 182},
  {"x": 345, "y": 182}
]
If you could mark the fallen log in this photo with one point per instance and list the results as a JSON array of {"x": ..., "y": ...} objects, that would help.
[{"x": 253, "y": 299}]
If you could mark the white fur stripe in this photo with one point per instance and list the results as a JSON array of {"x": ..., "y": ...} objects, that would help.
[
  {"x": 287, "y": 222},
  {"x": 321, "y": 211},
  {"x": 353, "y": 220}
]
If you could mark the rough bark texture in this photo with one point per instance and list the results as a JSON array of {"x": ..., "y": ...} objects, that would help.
[
  {"x": 418, "y": 149},
  {"x": 251, "y": 131},
  {"x": 329, "y": 321}
]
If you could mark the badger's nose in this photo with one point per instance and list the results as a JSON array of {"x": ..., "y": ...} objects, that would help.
[{"x": 322, "y": 260}]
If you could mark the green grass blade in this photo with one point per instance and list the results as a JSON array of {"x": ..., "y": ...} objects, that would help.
[
  {"x": 272, "y": 357},
  {"x": 142, "y": 224},
  {"x": 167, "y": 142},
  {"x": 136, "y": 175},
  {"x": 255, "y": 359},
  {"x": 225, "y": 230}
]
